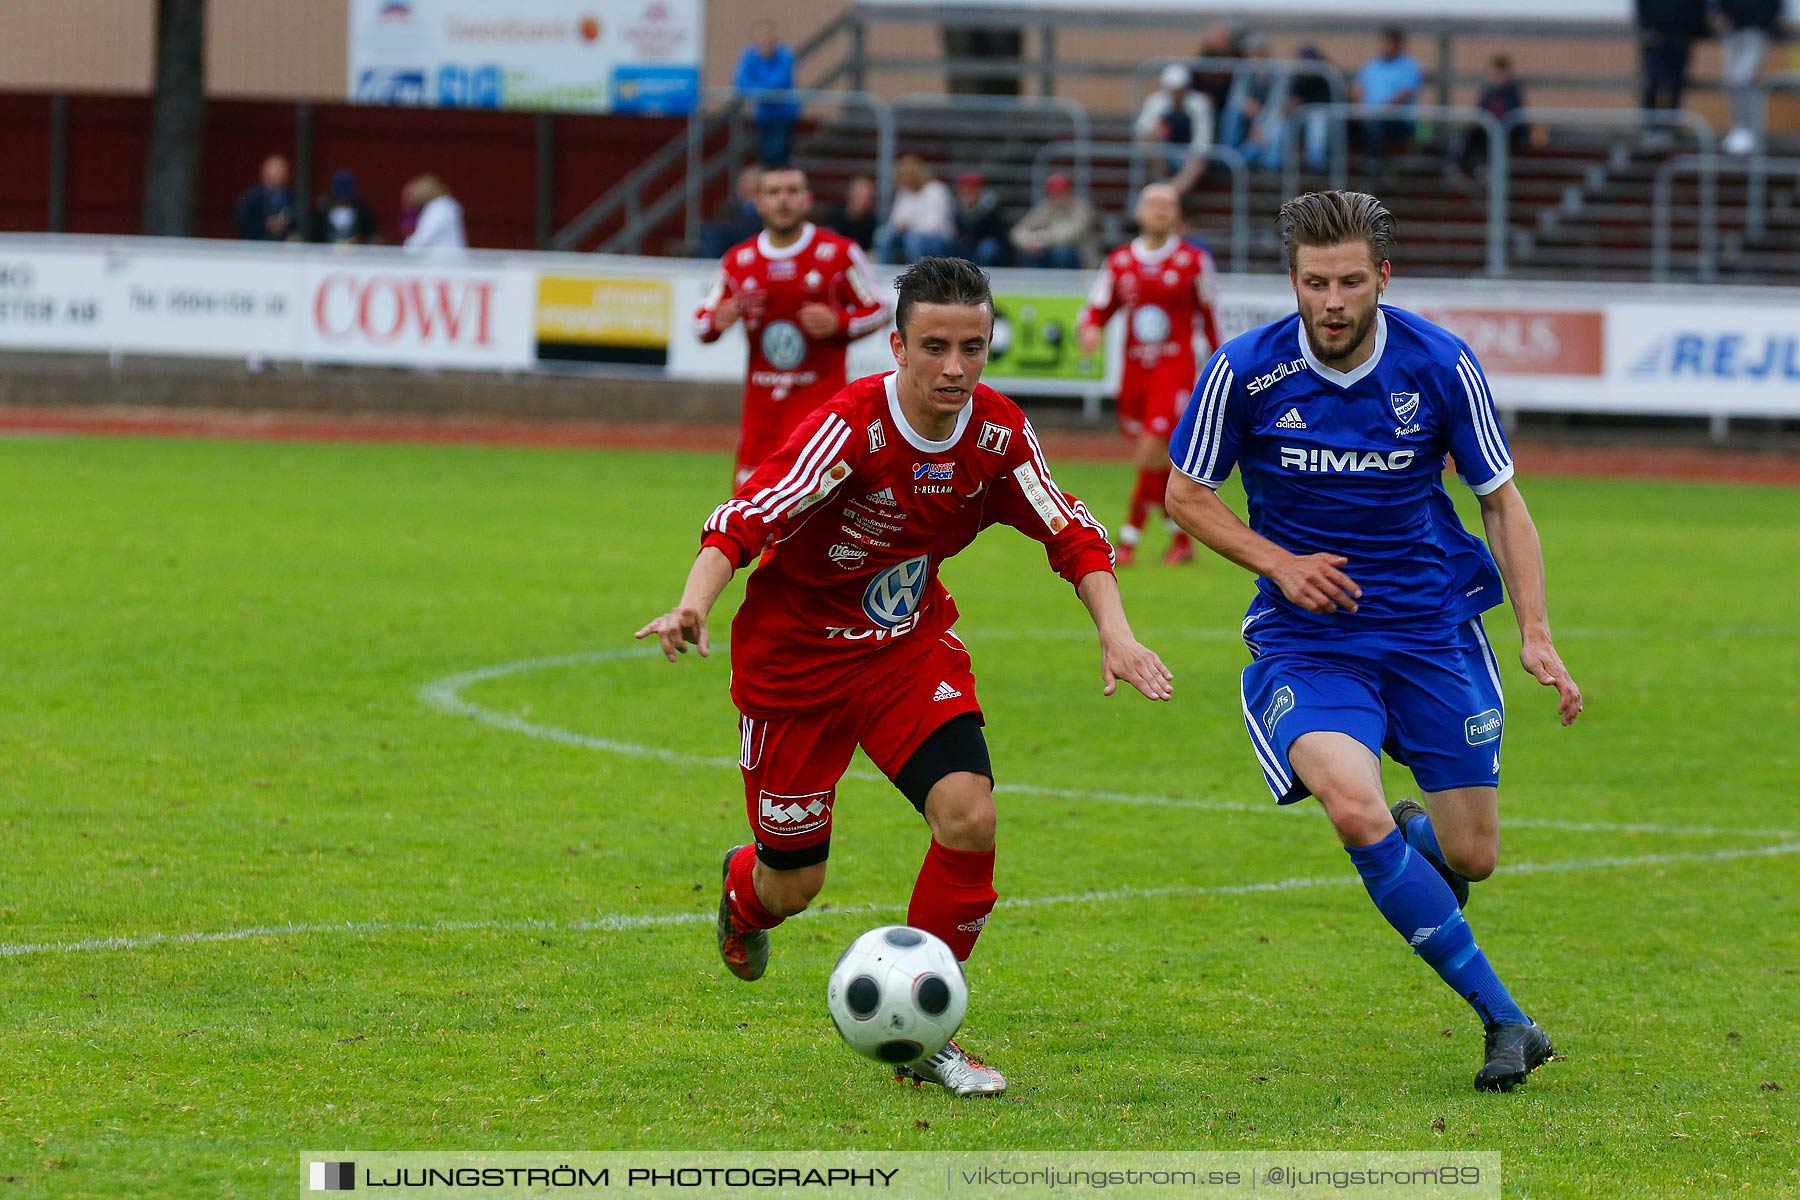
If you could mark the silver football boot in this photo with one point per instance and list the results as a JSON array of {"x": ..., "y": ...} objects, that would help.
[{"x": 956, "y": 1071}]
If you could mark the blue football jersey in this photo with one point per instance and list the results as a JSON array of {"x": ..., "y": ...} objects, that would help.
[{"x": 1352, "y": 463}]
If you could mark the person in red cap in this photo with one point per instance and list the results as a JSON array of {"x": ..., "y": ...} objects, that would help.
[
  {"x": 1165, "y": 287},
  {"x": 980, "y": 229},
  {"x": 1058, "y": 231}
]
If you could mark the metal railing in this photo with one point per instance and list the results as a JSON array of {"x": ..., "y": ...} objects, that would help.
[
  {"x": 1233, "y": 161},
  {"x": 1282, "y": 70},
  {"x": 1707, "y": 169},
  {"x": 1498, "y": 164},
  {"x": 1079, "y": 121}
]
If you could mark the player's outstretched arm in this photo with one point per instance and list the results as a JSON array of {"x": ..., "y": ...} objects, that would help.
[
  {"x": 1315, "y": 582},
  {"x": 685, "y": 624},
  {"x": 1122, "y": 656},
  {"x": 1513, "y": 537}
]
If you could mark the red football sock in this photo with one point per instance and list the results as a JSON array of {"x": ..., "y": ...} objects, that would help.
[
  {"x": 1155, "y": 485},
  {"x": 1140, "y": 504},
  {"x": 746, "y": 906},
  {"x": 954, "y": 895}
]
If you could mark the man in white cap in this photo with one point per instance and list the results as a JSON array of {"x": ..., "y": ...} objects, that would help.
[{"x": 1180, "y": 121}]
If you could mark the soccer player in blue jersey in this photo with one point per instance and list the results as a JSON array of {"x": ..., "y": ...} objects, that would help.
[{"x": 1365, "y": 634}]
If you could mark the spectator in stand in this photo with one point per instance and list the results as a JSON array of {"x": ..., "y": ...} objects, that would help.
[
  {"x": 767, "y": 65},
  {"x": 1666, "y": 33},
  {"x": 265, "y": 211},
  {"x": 1469, "y": 148},
  {"x": 857, "y": 217},
  {"x": 440, "y": 226},
  {"x": 1249, "y": 105},
  {"x": 1390, "y": 80},
  {"x": 342, "y": 217},
  {"x": 1179, "y": 120},
  {"x": 1058, "y": 232},
  {"x": 1745, "y": 29},
  {"x": 1219, "y": 44},
  {"x": 740, "y": 220},
  {"x": 981, "y": 235},
  {"x": 1303, "y": 88},
  {"x": 922, "y": 220}
]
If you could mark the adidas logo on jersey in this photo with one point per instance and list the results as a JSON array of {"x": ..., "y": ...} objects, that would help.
[
  {"x": 884, "y": 496},
  {"x": 945, "y": 692},
  {"x": 1291, "y": 420}
]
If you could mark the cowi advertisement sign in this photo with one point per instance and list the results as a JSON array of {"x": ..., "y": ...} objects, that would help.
[
  {"x": 1555, "y": 348},
  {"x": 627, "y": 56},
  {"x": 142, "y": 296}
]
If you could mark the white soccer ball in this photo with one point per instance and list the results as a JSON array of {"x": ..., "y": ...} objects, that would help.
[{"x": 897, "y": 994}]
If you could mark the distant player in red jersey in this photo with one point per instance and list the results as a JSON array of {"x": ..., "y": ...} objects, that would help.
[
  {"x": 844, "y": 637},
  {"x": 804, "y": 294},
  {"x": 1166, "y": 288}
]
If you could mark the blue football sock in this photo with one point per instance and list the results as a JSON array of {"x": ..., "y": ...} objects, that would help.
[
  {"x": 1422, "y": 837},
  {"x": 1417, "y": 902}
]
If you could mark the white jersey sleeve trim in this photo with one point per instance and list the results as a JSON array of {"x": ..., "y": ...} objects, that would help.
[
  {"x": 1492, "y": 485},
  {"x": 1482, "y": 419},
  {"x": 802, "y": 479},
  {"x": 1200, "y": 459}
]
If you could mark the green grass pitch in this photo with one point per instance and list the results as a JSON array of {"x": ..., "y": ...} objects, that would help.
[{"x": 265, "y": 888}]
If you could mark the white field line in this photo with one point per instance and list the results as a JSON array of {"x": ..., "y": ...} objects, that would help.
[
  {"x": 445, "y": 695},
  {"x": 621, "y": 922}
]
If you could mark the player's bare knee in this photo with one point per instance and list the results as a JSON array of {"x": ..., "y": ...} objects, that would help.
[
  {"x": 1474, "y": 862},
  {"x": 960, "y": 811},
  {"x": 1357, "y": 814}
]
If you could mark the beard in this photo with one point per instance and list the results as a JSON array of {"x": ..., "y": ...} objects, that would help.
[{"x": 1358, "y": 333}]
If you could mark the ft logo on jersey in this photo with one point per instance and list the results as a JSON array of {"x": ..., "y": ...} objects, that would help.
[
  {"x": 994, "y": 438},
  {"x": 1345, "y": 462}
]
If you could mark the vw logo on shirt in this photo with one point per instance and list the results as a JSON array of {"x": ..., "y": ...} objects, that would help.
[
  {"x": 783, "y": 345},
  {"x": 894, "y": 595},
  {"x": 1149, "y": 324}
]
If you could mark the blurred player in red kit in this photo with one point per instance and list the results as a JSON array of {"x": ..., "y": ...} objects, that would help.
[
  {"x": 845, "y": 634},
  {"x": 804, "y": 294},
  {"x": 1166, "y": 287}
]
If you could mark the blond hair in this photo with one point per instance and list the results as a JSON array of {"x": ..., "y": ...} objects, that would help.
[{"x": 424, "y": 190}]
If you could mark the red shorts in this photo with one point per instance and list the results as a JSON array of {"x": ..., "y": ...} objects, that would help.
[
  {"x": 768, "y": 423},
  {"x": 792, "y": 764},
  {"x": 1151, "y": 402}
]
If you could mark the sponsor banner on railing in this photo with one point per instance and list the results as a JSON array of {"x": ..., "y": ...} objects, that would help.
[
  {"x": 635, "y": 56},
  {"x": 420, "y": 312},
  {"x": 1680, "y": 358},
  {"x": 169, "y": 302},
  {"x": 1035, "y": 339},
  {"x": 53, "y": 300},
  {"x": 603, "y": 318},
  {"x": 1553, "y": 348},
  {"x": 1528, "y": 341}
]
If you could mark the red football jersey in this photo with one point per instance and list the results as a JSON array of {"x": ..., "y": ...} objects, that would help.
[
  {"x": 788, "y": 366},
  {"x": 859, "y": 511},
  {"x": 1165, "y": 294}
]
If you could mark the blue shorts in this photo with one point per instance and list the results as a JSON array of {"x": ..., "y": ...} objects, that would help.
[{"x": 1430, "y": 699}]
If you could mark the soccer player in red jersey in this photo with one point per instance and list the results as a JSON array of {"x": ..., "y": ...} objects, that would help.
[
  {"x": 844, "y": 637},
  {"x": 1165, "y": 286},
  {"x": 804, "y": 294}
]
